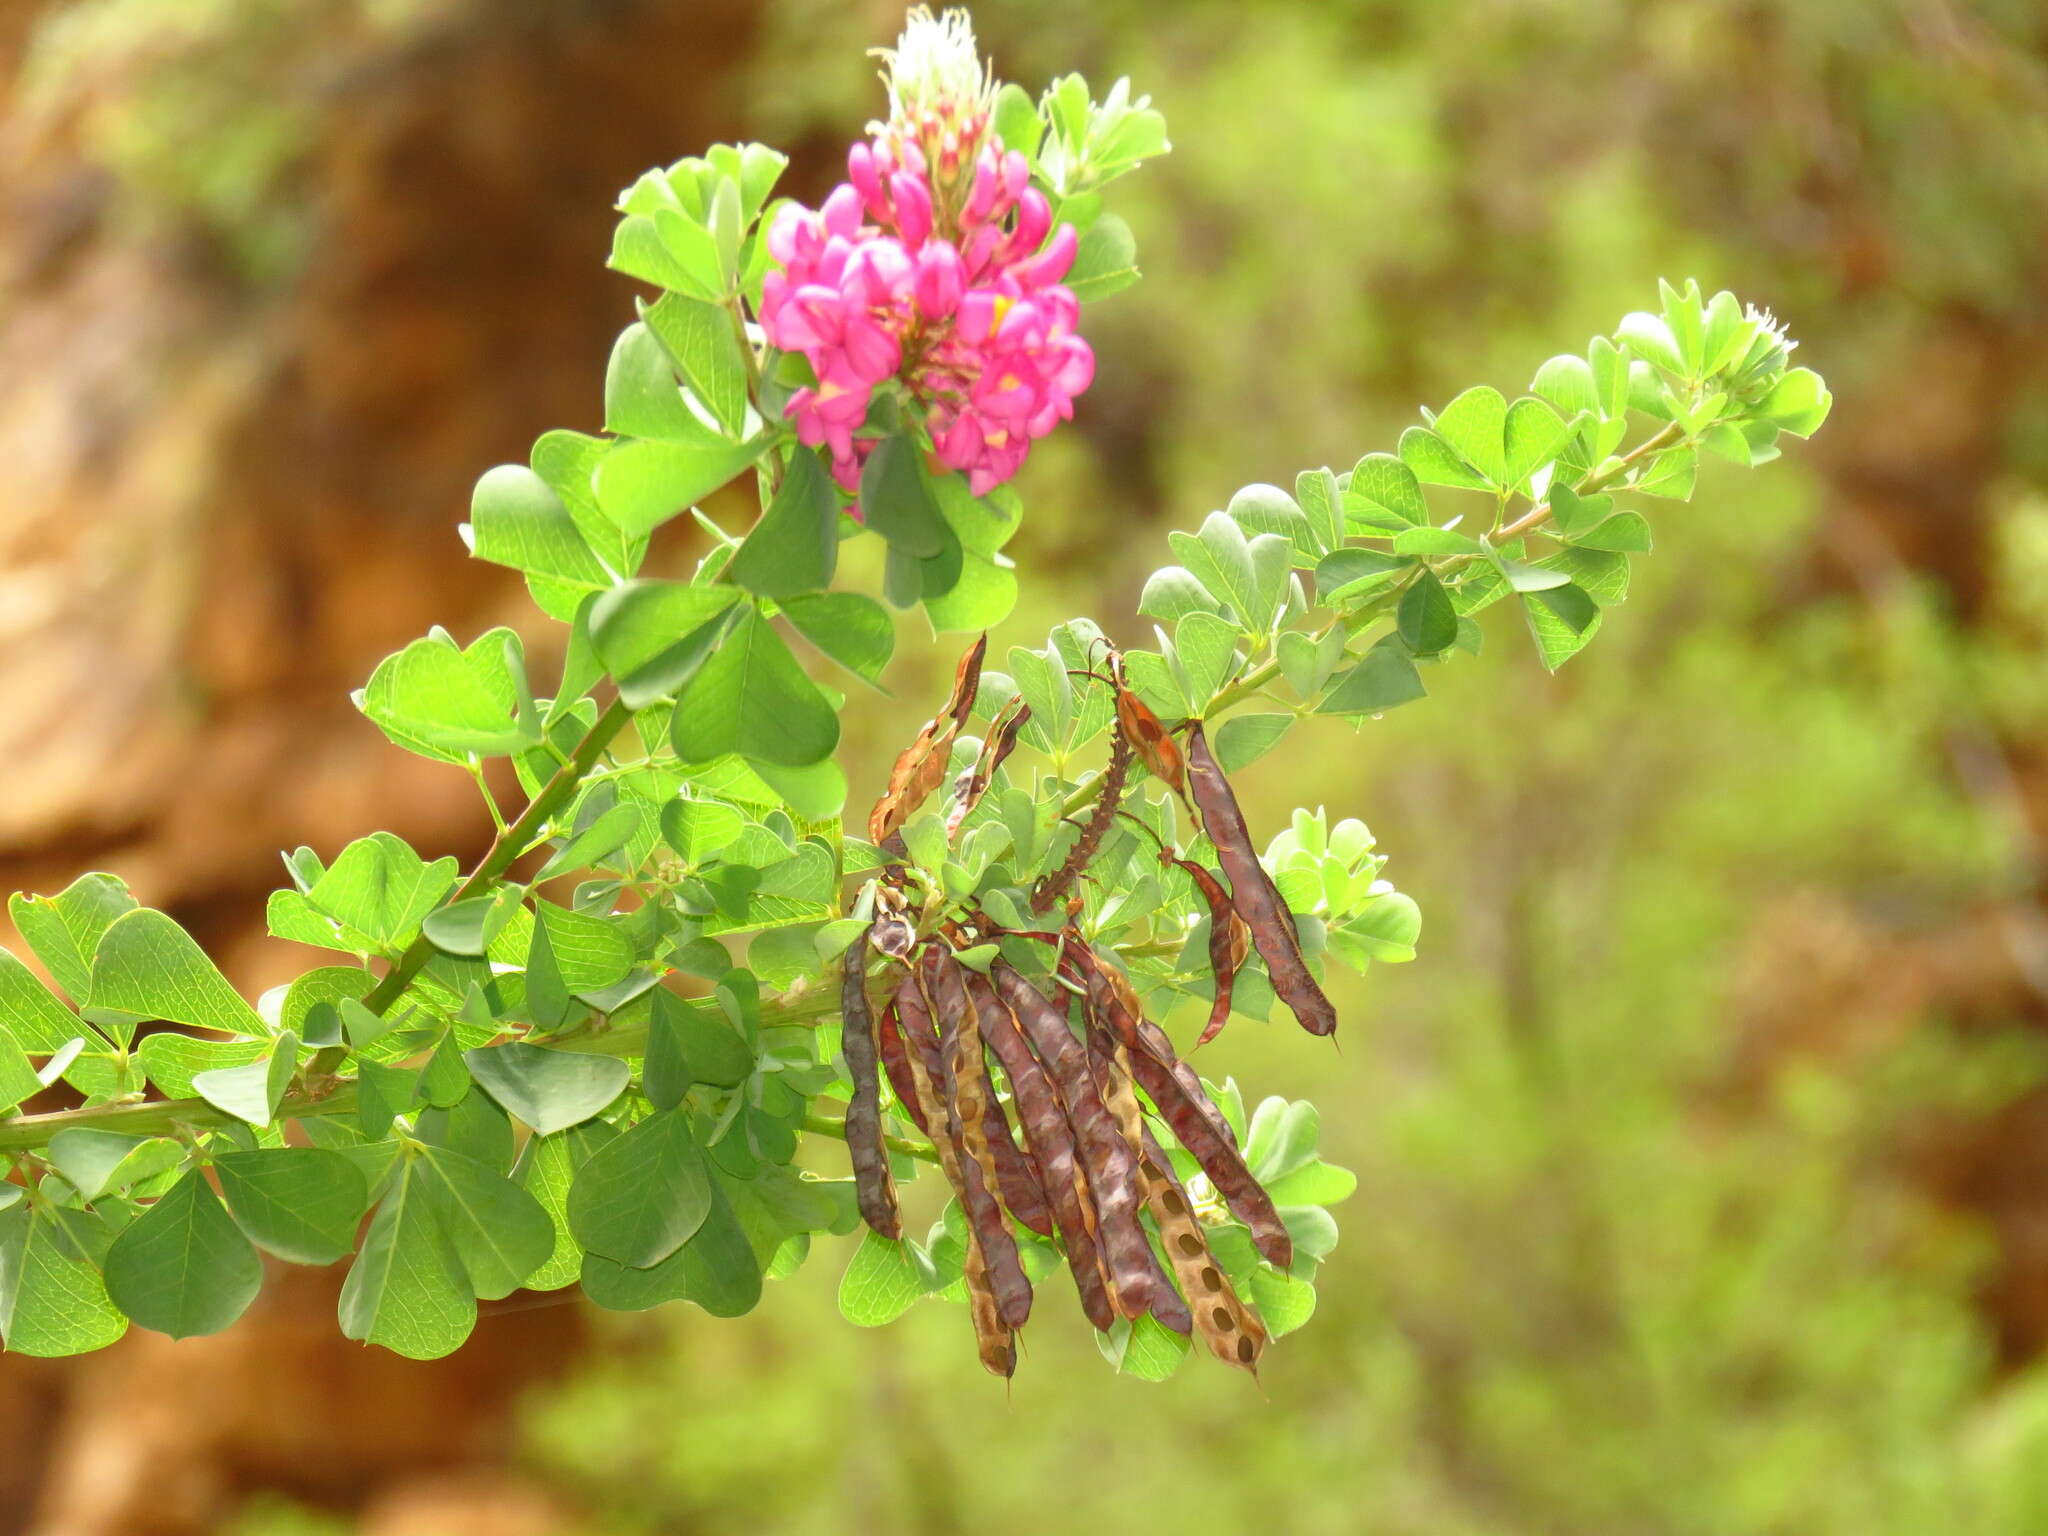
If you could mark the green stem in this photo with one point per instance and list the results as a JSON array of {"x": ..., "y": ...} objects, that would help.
[
  {"x": 164, "y": 1116},
  {"x": 825, "y": 1125},
  {"x": 505, "y": 848}
]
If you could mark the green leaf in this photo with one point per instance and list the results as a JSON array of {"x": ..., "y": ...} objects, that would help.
[
  {"x": 517, "y": 520},
  {"x": 147, "y": 965},
  {"x": 1650, "y": 339},
  {"x": 52, "y": 1299},
  {"x": 896, "y": 500},
  {"x": 1559, "y": 622},
  {"x": 641, "y": 395},
  {"x": 1384, "y": 493},
  {"x": 1105, "y": 260},
  {"x": 1208, "y": 654},
  {"x": 253, "y": 1090},
  {"x": 1243, "y": 739},
  {"x": 643, "y": 483},
  {"x": 1426, "y": 620},
  {"x": 1424, "y": 541},
  {"x": 699, "y": 830},
  {"x": 499, "y": 1231},
  {"x": 407, "y": 1289},
  {"x": 700, "y": 340},
  {"x": 301, "y": 1203},
  {"x": 547, "y": 1167},
  {"x": 1384, "y": 678},
  {"x": 979, "y": 597},
  {"x": 1798, "y": 403},
  {"x": 93, "y": 1162},
  {"x": 751, "y": 697},
  {"x": 881, "y": 1283},
  {"x": 1314, "y": 1183},
  {"x": 171, "y": 1060},
  {"x": 795, "y": 546},
  {"x": 1284, "y": 1303},
  {"x": 721, "y": 1272},
  {"x": 1567, "y": 383},
  {"x": 1670, "y": 474},
  {"x": 380, "y": 890},
  {"x": 1431, "y": 460},
  {"x": 1626, "y": 533},
  {"x": 654, "y": 636},
  {"x": 853, "y": 630},
  {"x": 182, "y": 1267},
  {"x": 1533, "y": 435},
  {"x": 640, "y": 1198},
  {"x": 439, "y": 700},
  {"x": 546, "y": 1089},
  {"x": 1172, "y": 593},
  {"x": 1474, "y": 426},
  {"x": 18, "y": 1080},
  {"x": 590, "y": 953},
  {"x": 35, "y": 1019},
  {"x": 64, "y": 930}
]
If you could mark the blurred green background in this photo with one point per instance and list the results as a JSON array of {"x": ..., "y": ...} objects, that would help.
[{"x": 1704, "y": 1150}]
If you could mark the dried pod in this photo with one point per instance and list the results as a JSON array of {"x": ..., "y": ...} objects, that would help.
[
  {"x": 1252, "y": 892},
  {"x": 1108, "y": 795},
  {"x": 1230, "y": 1329},
  {"x": 974, "y": 782},
  {"x": 922, "y": 766},
  {"x": 1187, "y": 1109},
  {"x": 1229, "y": 940},
  {"x": 1106, "y": 1160},
  {"x": 1141, "y": 728},
  {"x": 1017, "y": 1177},
  {"x": 988, "y": 1234},
  {"x": 1112, "y": 1068},
  {"x": 895, "y": 1060},
  {"x": 992, "y": 1337},
  {"x": 873, "y": 1187},
  {"x": 1051, "y": 1140}
]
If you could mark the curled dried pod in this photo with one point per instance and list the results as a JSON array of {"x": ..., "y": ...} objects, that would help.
[
  {"x": 1051, "y": 1139},
  {"x": 1109, "y": 794},
  {"x": 1252, "y": 892},
  {"x": 1106, "y": 1161},
  {"x": 921, "y": 767},
  {"x": 874, "y": 1188}
]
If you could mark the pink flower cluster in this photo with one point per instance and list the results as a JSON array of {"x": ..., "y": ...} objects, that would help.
[{"x": 957, "y": 300}]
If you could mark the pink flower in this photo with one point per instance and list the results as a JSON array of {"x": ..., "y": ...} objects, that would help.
[{"x": 950, "y": 286}]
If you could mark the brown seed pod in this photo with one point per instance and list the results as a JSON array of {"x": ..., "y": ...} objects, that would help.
[
  {"x": 988, "y": 1234},
  {"x": 1178, "y": 1094},
  {"x": 1141, "y": 728},
  {"x": 973, "y": 784},
  {"x": 922, "y": 766},
  {"x": 889, "y": 1033},
  {"x": 1230, "y": 1329},
  {"x": 1051, "y": 1140},
  {"x": 1105, "y": 1159},
  {"x": 874, "y": 1189},
  {"x": 1229, "y": 939},
  {"x": 1017, "y": 1176},
  {"x": 1112, "y": 1069},
  {"x": 1109, "y": 793},
  {"x": 970, "y": 1103},
  {"x": 1252, "y": 892}
]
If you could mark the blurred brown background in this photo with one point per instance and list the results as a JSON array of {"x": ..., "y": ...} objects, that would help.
[{"x": 1704, "y": 1153}]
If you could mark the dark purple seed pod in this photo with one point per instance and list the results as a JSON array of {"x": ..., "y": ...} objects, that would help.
[
  {"x": 874, "y": 1188},
  {"x": 1106, "y": 1160},
  {"x": 1051, "y": 1140},
  {"x": 1252, "y": 892}
]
